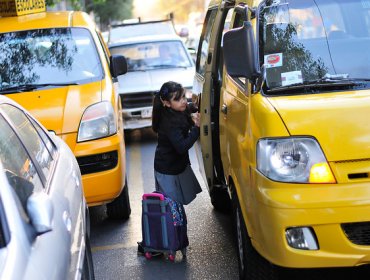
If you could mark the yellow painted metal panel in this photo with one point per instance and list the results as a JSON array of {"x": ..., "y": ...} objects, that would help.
[{"x": 342, "y": 129}]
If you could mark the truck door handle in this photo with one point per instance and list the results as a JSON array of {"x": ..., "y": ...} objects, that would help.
[{"x": 224, "y": 109}]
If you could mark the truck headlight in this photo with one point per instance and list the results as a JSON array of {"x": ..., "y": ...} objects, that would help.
[
  {"x": 293, "y": 160},
  {"x": 97, "y": 121}
]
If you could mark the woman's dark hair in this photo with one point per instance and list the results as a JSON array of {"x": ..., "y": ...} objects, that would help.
[{"x": 168, "y": 91}]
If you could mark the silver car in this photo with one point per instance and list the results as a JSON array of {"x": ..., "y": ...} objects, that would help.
[{"x": 44, "y": 228}]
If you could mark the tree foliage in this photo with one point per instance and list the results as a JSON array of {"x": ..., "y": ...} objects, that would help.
[
  {"x": 105, "y": 11},
  {"x": 75, "y": 4},
  {"x": 108, "y": 11}
]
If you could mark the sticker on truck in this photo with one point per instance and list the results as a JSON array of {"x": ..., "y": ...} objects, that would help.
[
  {"x": 289, "y": 78},
  {"x": 273, "y": 60}
]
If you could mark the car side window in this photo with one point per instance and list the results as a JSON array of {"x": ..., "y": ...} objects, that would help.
[
  {"x": 19, "y": 167},
  {"x": 203, "y": 49},
  {"x": 30, "y": 138},
  {"x": 48, "y": 143}
]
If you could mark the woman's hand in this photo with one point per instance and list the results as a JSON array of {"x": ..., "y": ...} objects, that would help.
[{"x": 196, "y": 119}]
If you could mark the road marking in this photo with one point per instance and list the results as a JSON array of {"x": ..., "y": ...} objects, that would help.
[
  {"x": 109, "y": 247},
  {"x": 135, "y": 172}
]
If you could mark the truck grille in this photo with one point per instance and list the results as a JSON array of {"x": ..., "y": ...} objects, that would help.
[
  {"x": 97, "y": 162},
  {"x": 137, "y": 100},
  {"x": 358, "y": 233}
]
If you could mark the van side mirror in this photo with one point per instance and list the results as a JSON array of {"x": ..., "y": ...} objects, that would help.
[
  {"x": 118, "y": 65},
  {"x": 240, "y": 52}
]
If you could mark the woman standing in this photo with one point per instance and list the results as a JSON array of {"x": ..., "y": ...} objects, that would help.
[{"x": 177, "y": 131}]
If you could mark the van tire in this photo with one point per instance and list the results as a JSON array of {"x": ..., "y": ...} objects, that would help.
[
  {"x": 88, "y": 267},
  {"x": 252, "y": 266},
  {"x": 220, "y": 199},
  {"x": 120, "y": 209}
]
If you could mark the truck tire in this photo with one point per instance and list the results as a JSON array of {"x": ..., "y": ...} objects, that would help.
[
  {"x": 120, "y": 209},
  {"x": 220, "y": 199},
  {"x": 252, "y": 266},
  {"x": 128, "y": 135}
]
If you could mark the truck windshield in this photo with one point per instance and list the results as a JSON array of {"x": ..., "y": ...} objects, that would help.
[
  {"x": 153, "y": 55},
  {"x": 50, "y": 57},
  {"x": 311, "y": 44}
]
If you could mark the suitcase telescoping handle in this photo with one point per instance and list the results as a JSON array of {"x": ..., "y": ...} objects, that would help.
[{"x": 153, "y": 195}]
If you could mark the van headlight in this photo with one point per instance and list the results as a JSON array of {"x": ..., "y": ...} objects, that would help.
[
  {"x": 293, "y": 160},
  {"x": 97, "y": 121}
]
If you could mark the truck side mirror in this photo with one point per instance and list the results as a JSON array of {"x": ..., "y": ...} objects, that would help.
[
  {"x": 240, "y": 53},
  {"x": 118, "y": 65}
]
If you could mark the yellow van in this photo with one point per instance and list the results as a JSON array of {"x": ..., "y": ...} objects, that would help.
[
  {"x": 57, "y": 66},
  {"x": 285, "y": 135}
]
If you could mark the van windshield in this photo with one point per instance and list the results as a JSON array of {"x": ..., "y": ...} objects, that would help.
[
  {"x": 55, "y": 56},
  {"x": 153, "y": 55},
  {"x": 311, "y": 44}
]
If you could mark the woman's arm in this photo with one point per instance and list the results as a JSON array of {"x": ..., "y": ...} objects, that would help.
[{"x": 179, "y": 142}]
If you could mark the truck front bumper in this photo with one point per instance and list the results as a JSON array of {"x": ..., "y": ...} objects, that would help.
[
  {"x": 137, "y": 118},
  {"x": 337, "y": 214}
]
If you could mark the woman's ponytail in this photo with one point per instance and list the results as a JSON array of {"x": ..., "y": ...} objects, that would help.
[{"x": 157, "y": 112}]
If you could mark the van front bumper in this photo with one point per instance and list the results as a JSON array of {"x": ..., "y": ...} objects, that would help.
[{"x": 338, "y": 214}]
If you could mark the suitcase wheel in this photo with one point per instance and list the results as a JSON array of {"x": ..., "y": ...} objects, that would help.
[
  {"x": 148, "y": 255},
  {"x": 171, "y": 257}
]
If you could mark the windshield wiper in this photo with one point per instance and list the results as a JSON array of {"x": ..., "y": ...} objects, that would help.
[
  {"x": 31, "y": 87},
  {"x": 312, "y": 86},
  {"x": 137, "y": 70},
  {"x": 161, "y": 66}
]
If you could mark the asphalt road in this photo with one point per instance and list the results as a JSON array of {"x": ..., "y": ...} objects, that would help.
[{"x": 211, "y": 253}]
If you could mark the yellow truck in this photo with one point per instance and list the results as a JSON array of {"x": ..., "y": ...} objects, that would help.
[
  {"x": 285, "y": 139},
  {"x": 57, "y": 66}
]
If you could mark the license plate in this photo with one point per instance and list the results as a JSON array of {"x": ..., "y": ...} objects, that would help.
[{"x": 146, "y": 113}]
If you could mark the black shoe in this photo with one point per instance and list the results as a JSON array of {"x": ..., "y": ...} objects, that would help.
[{"x": 140, "y": 249}]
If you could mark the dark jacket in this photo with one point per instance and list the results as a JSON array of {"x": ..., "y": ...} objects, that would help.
[{"x": 176, "y": 135}]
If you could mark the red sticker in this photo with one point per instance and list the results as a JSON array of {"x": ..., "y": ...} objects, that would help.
[{"x": 273, "y": 59}]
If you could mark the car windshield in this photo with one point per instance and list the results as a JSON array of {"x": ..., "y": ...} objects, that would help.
[
  {"x": 48, "y": 56},
  {"x": 307, "y": 43},
  {"x": 154, "y": 55}
]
